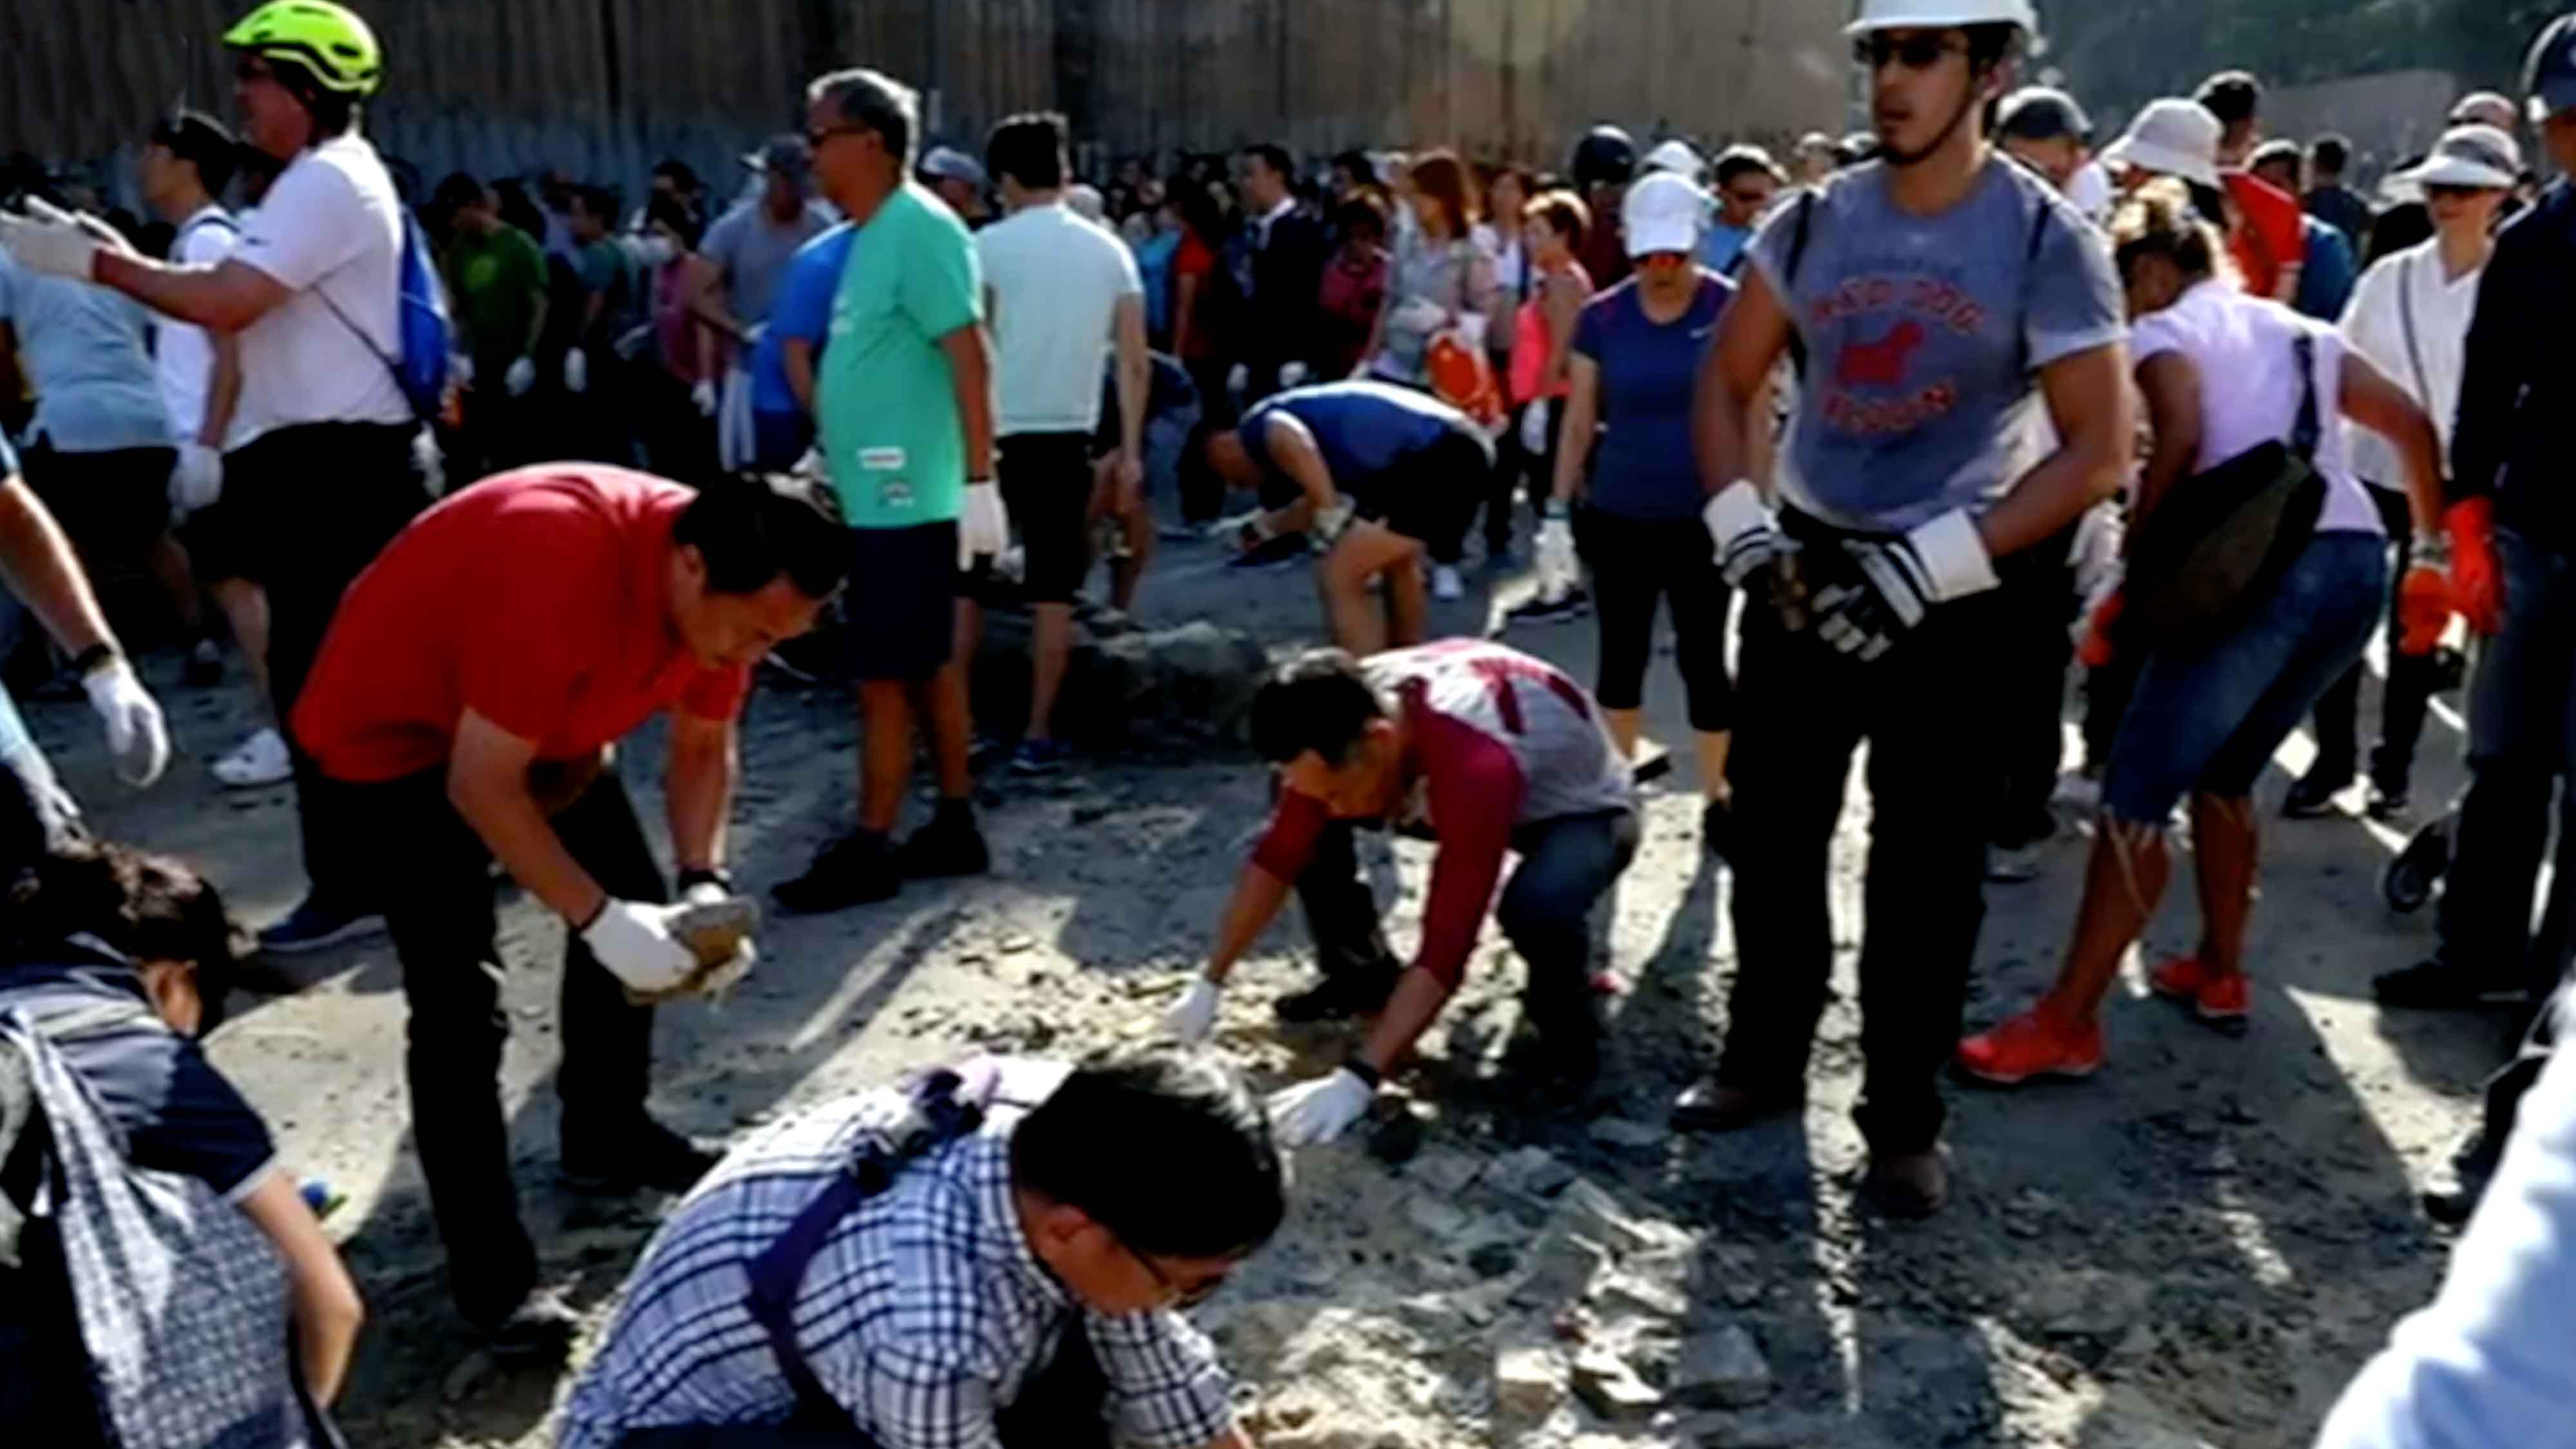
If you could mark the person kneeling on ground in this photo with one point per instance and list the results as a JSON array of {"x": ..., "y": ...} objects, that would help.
[
  {"x": 986, "y": 1256},
  {"x": 1381, "y": 476},
  {"x": 1489, "y": 751},
  {"x": 465, "y": 708},
  {"x": 113, "y": 966}
]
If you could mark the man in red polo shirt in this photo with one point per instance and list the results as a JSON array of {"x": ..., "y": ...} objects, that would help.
[{"x": 461, "y": 711}]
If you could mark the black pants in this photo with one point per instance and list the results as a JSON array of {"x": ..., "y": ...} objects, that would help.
[
  {"x": 315, "y": 505},
  {"x": 1636, "y": 564},
  {"x": 430, "y": 875},
  {"x": 114, "y": 506},
  {"x": 2405, "y": 702},
  {"x": 1926, "y": 710},
  {"x": 1512, "y": 463},
  {"x": 1567, "y": 864},
  {"x": 2031, "y": 705}
]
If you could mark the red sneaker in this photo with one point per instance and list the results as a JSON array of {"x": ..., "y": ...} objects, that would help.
[
  {"x": 2221, "y": 999},
  {"x": 2028, "y": 1046}
]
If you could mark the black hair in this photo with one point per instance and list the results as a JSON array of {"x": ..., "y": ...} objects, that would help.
[
  {"x": 1126, "y": 1125},
  {"x": 456, "y": 191},
  {"x": 683, "y": 176},
  {"x": 678, "y": 215},
  {"x": 1199, "y": 211},
  {"x": 144, "y": 907},
  {"x": 2330, "y": 155},
  {"x": 598, "y": 201},
  {"x": 334, "y": 113},
  {"x": 2280, "y": 153},
  {"x": 1276, "y": 157},
  {"x": 2233, "y": 96},
  {"x": 202, "y": 142},
  {"x": 1317, "y": 701},
  {"x": 1357, "y": 215},
  {"x": 1991, "y": 45},
  {"x": 1028, "y": 148},
  {"x": 518, "y": 208},
  {"x": 1737, "y": 162},
  {"x": 1356, "y": 166},
  {"x": 754, "y": 528}
]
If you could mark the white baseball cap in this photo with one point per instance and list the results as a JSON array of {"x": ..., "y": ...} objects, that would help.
[
  {"x": 2479, "y": 156},
  {"x": 1678, "y": 157},
  {"x": 2171, "y": 137},
  {"x": 1663, "y": 213}
]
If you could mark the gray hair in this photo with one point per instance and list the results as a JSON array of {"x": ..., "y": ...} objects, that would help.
[{"x": 877, "y": 101}]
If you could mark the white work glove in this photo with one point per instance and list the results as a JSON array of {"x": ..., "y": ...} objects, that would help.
[
  {"x": 984, "y": 527},
  {"x": 635, "y": 942},
  {"x": 704, "y": 396},
  {"x": 521, "y": 376},
  {"x": 1316, "y": 1112},
  {"x": 196, "y": 478},
  {"x": 576, "y": 371},
  {"x": 1534, "y": 429},
  {"x": 1194, "y": 1016},
  {"x": 1330, "y": 523},
  {"x": 136, "y": 733},
  {"x": 1292, "y": 374},
  {"x": 1748, "y": 539},
  {"x": 49, "y": 241},
  {"x": 1238, "y": 378},
  {"x": 1899, "y": 580},
  {"x": 1557, "y": 569}
]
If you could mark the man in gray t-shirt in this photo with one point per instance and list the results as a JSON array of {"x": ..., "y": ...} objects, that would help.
[
  {"x": 753, "y": 243},
  {"x": 1932, "y": 303}
]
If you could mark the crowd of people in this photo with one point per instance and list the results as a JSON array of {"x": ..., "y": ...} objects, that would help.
[{"x": 1923, "y": 424}]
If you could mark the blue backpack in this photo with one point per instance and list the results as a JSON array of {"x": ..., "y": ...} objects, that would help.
[{"x": 420, "y": 369}]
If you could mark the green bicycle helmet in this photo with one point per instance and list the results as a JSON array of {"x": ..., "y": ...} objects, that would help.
[{"x": 328, "y": 41}]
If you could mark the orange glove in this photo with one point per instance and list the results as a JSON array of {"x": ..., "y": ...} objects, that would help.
[
  {"x": 2477, "y": 585},
  {"x": 2424, "y": 609},
  {"x": 2096, "y": 649}
]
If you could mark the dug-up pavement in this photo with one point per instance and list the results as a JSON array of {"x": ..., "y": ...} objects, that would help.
[{"x": 2199, "y": 1246}]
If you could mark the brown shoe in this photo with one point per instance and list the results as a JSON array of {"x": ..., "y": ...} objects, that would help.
[
  {"x": 1709, "y": 1106},
  {"x": 1908, "y": 1185}
]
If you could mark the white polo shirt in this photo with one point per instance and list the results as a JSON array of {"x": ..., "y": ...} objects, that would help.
[
  {"x": 1056, "y": 280},
  {"x": 183, "y": 358},
  {"x": 331, "y": 228}
]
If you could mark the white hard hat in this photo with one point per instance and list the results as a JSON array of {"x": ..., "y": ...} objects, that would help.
[
  {"x": 1942, "y": 15},
  {"x": 1678, "y": 157}
]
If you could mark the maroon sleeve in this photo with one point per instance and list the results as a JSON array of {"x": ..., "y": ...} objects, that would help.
[
  {"x": 1476, "y": 789},
  {"x": 1289, "y": 845}
]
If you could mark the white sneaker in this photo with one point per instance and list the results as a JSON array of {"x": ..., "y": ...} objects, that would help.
[
  {"x": 2011, "y": 865},
  {"x": 2079, "y": 793},
  {"x": 256, "y": 761},
  {"x": 1446, "y": 585}
]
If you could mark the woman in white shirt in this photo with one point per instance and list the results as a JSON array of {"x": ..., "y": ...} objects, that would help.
[
  {"x": 2410, "y": 316},
  {"x": 2220, "y": 376}
]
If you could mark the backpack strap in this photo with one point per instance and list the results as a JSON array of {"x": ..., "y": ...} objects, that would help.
[
  {"x": 2414, "y": 353},
  {"x": 1789, "y": 276},
  {"x": 942, "y": 1113},
  {"x": 2306, "y": 431}
]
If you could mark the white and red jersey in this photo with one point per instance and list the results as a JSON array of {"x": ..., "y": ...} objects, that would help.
[{"x": 1499, "y": 740}]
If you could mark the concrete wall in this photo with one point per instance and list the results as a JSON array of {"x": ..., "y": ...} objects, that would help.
[
  {"x": 602, "y": 87},
  {"x": 2389, "y": 116}
]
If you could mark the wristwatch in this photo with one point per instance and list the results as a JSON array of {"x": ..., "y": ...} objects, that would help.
[
  {"x": 700, "y": 875},
  {"x": 96, "y": 657}
]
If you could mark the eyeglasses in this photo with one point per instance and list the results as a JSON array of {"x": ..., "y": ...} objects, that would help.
[
  {"x": 815, "y": 138},
  {"x": 1918, "y": 51},
  {"x": 2442, "y": 192},
  {"x": 1173, "y": 1293}
]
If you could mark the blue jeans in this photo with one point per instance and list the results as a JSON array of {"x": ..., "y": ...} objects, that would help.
[
  {"x": 2207, "y": 720},
  {"x": 51, "y": 804},
  {"x": 2522, "y": 737}
]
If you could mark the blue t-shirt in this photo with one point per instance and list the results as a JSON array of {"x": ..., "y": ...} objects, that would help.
[
  {"x": 1362, "y": 428},
  {"x": 1722, "y": 246},
  {"x": 802, "y": 311},
  {"x": 1924, "y": 336},
  {"x": 82, "y": 347},
  {"x": 2328, "y": 273},
  {"x": 1643, "y": 467}
]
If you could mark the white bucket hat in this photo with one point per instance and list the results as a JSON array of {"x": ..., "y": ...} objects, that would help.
[
  {"x": 2171, "y": 137},
  {"x": 2479, "y": 156}
]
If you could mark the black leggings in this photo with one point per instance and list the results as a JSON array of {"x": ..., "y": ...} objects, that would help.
[{"x": 1634, "y": 563}]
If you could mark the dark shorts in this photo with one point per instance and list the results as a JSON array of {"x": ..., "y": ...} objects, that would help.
[
  {"x": 779, "y": 440},
  {"x": 113, "y": 504},
  {"x": 1046, "y": 485},
  {"x": 901, "y": 602},
  {"x": 216, "y": 547}
]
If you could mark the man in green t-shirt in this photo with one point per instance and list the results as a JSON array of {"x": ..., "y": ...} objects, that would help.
[
  {"x": 497, "y": 278},
  {"x": 905, "y": 407}
]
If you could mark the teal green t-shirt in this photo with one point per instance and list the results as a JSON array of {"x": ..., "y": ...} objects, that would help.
[{"x": 886, "y": 397}]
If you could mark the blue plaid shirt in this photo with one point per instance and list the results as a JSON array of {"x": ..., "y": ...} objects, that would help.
[{"x": 924, "y": 1312}]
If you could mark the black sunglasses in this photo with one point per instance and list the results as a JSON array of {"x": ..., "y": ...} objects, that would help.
[
  {"x": 1914, "y": 52},
  {"x": 2441, "y": 191},
  {"x": 1173, "y": 1292}
]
